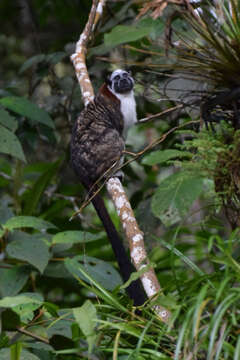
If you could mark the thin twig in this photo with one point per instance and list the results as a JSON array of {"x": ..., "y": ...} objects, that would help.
[
  {"x": 164, "y": 112},
  {"x": 22, "y": 330}
]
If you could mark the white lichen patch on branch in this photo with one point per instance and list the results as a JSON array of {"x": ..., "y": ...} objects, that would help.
[
  {"x": 114, "y": 185},
  {"x": 124, "y": 215},
  {"x": 81, "y": 39},
  {"x": 163, "y": 313},
  {"x": 120, "y": 202},
  {"x": 137, "y": 237},
  {"x": 149, "y": 286},
  {"x": 73, "y": 57},
  {"x": 80, "y": 66},
  {"x": 138, "y": 255}
]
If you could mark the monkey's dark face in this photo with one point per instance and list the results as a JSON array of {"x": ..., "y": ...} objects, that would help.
[{"x": 121, "y": 81}]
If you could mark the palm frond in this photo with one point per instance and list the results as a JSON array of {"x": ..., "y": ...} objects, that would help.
[{"x": 211, "y": 48}]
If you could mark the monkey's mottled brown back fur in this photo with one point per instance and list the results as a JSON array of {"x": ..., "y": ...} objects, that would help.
[{"x": 97, "y": 141}]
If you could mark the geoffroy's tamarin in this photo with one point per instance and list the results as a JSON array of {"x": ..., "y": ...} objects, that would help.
[{"x": 97, "y": 145}]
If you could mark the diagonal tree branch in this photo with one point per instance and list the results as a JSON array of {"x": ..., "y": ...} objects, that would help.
[
  {"x": 79, "y": 57},
  {"x": 136, "y": 243},
  {"x": 114, "y": 186}
]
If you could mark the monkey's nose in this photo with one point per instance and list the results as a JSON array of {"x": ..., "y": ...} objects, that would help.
[{"x": 123, "y": 82}]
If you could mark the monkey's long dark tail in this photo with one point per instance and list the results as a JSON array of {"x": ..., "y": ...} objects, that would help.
[{"x": 135, "y": 289}]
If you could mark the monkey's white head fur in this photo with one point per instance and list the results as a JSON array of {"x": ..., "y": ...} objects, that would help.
[{"x": 121, "y": 84}]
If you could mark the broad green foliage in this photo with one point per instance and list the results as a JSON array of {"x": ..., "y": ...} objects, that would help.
[
  {"x": 97, "y": 269},
  {"x": 162, "y": 156},
  {"x": 62, "y": 325},
  {"x": 86, "y": 317},
  {"x": 124, "y": 34},
  {"x": 9, "y": 144},
  {"x": 27, "y": 221},
  {"x": 73, "y": 237},
  {"x": 14, "y": 301},
  {"x": 7, "y": 120},
  {"x": 23, "y": 305},
  {"x": 174, "y": 196},
  {"x": 31, "y": 249},
  {"x": 61, "y": 295},
  {"x": 50, "y": 59},
  {"x": 17, "y": 354},
  {"x": 12, "y": 280},
  {"x": 26, "y": 108}
]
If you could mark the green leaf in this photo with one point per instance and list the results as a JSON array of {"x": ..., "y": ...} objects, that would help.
[
  {"x": 34, "y": 195},
  {"x": 31, "y": 249},
  {"x": 73, "y": 237},
  {"x": 24, "y": 305},
  {"x": 56, "y": 270},
  {"x": 161, "y": 156},
  {"x": 56, "y": 57},
  {"x": 62, "y": 325},
  {"x": 99, "y": 50},
  {"x": 32, "y": 61},
  {"x": 53, "y": 59},
  {"x": 125, "y": 34},
  {"x": 12, "y": 280},
  {"x": 24, "y": 107},
  {"x": 86, "y": 316},
  {"x": 99, "y": 270},
  {"x": 23, "y": 299},
  {"x": 157, "y": 26},
  {"x": 7, "y": 120},
  {"x": 5, "y": 354},
  {"x": 26, "y": 222},
  {"x": 174, "y": 197},
  {"x": 9, "y": 144},
  {"x": 5, "y": 210}
]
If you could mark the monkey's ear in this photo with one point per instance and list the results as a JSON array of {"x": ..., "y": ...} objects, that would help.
[{"x": 108, "y": 80}]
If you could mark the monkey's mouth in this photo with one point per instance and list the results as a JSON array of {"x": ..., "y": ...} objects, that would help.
[{"x": 123, "y": 85}]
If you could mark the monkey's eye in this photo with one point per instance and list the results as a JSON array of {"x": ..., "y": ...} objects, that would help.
[
  {"x": 125, "y": 75},
  {"x": 117, "y": 77}
]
